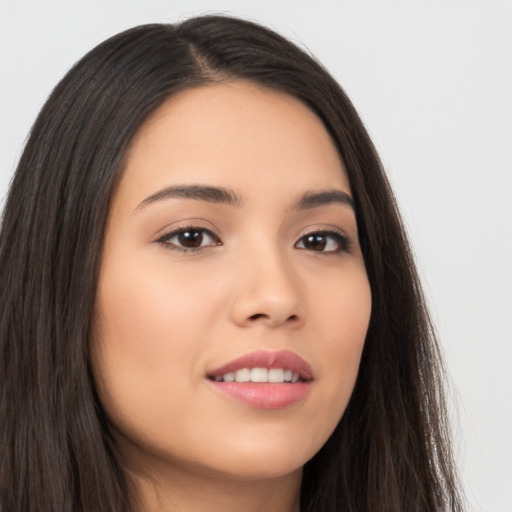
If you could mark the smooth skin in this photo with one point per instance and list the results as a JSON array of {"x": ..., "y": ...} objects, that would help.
[{"x": 253, "y": 269}]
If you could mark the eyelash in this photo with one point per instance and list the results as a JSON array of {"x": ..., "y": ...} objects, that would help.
[
  {"x": 342, "y": 242},
  {"x": 166, "y": 239}
]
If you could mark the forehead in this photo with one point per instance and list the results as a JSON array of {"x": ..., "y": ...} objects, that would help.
[{"x": 233, "y": 134}]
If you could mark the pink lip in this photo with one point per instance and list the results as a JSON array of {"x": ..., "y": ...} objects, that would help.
[{"x": 265, "y": 395}]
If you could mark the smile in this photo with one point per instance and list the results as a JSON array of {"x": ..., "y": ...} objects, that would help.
[{"x": 264, "y": 380}]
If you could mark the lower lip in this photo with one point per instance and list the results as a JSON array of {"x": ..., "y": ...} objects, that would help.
[{"x": 264, "y": 395}]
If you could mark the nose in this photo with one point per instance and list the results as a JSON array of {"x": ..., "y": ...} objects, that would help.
[{"x": 267, "y": 292}]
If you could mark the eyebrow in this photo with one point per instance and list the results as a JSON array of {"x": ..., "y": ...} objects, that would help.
[
  {"x": 226, "y": 196},
  {"x": 197, "y": 192},
  {"x": 322, "y": 198}
]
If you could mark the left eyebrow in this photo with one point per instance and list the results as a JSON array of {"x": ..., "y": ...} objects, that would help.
[{"x": 322, "y": 198}]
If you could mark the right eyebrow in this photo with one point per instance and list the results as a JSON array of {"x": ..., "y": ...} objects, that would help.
[{"x": 197, "y": 192}]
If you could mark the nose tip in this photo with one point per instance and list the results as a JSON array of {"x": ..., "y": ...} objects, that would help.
[{"x": 270, "y": 298}]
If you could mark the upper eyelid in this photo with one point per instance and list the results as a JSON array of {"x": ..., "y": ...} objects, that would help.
[
  {"x": 184, "y": 224},
  {"x": 173, "y": 232},
  {"x": 323, "y": 228}
]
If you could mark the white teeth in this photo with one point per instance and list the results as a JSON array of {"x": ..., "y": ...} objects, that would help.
[
  {"x": 228, "y": 377},
  {"x": 243, "y": 375},
  {"x": 259, "y": 375},
  {"x": 276, "y": 375},
  {"x": 273, "y": 375}
]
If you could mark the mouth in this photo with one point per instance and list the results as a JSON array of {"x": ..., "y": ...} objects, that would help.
[{"x": 265, "y": 380}]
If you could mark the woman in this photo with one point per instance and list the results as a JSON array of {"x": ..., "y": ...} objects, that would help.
[{"x": 207, "y": 297}]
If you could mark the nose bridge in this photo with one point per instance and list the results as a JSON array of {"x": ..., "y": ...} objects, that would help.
[{"x": 267, "y": 287}]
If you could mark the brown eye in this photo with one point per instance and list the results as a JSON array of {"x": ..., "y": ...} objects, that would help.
[
  {"x": 315, "y": 242},
  {"x": 324, "y": 241},
  {"x": 190, "y": 239}
]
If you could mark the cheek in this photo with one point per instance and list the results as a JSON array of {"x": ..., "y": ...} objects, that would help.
[
  {"x": 151, "y": 312},
  {"x": 148, "y": 335},
  {"x": 351, "y": 316},
  {"x": 342, "y": 313}
]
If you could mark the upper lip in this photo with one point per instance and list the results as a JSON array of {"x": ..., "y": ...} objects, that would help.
[{"x": 267, "y": 359}]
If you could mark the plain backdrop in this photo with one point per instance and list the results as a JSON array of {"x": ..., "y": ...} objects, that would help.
[{"x": 432, "y": 81}]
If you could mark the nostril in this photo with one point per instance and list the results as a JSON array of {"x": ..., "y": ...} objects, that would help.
[
  {"x": 257, "y": 316},
  {"x": 262, "y": 316}
]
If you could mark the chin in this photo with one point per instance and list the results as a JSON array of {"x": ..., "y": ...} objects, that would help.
[{"x": 262, "y": 459}]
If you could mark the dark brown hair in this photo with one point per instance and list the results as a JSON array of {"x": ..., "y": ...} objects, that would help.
[{"x": 391, "y": 450}]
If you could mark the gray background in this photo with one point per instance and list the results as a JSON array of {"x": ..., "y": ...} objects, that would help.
[{"x": 433, "y": 83}]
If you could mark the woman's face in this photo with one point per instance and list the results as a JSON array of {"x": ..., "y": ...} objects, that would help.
[{"x": 231, "y": 252}]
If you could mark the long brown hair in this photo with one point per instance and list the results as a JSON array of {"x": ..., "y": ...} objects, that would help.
[{"x": 391, "y": 450}]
